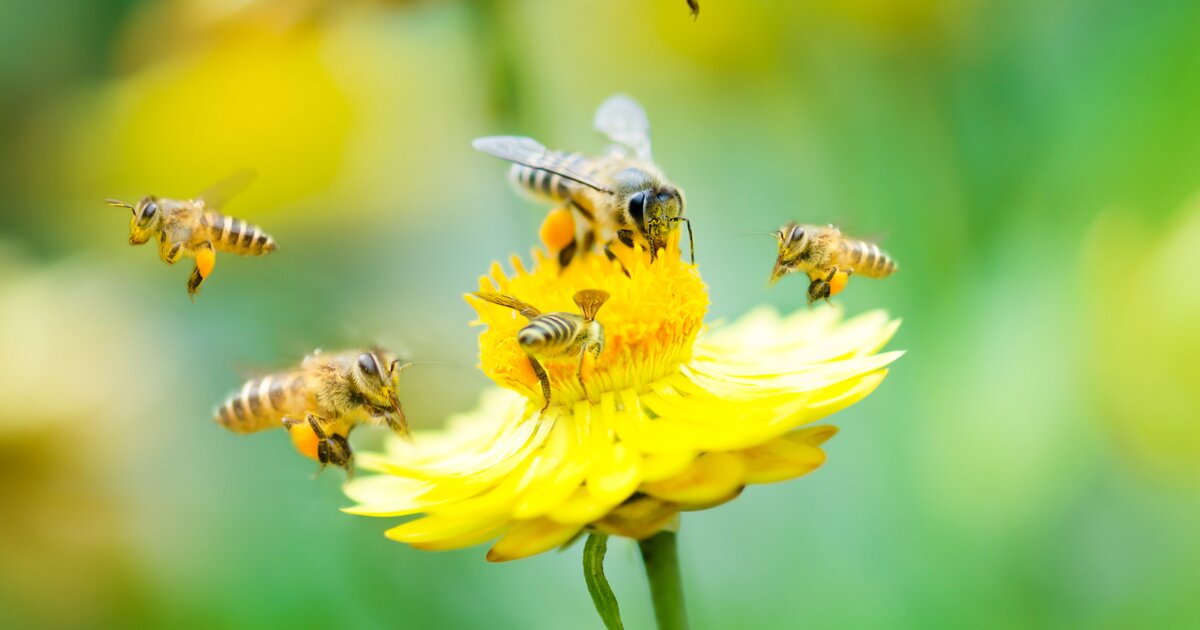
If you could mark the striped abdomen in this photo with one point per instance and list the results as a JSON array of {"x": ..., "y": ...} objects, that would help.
[
  {"x": 236, "y": 236},
  {"x": 543, "y": 183},
  {"x": 866, "y": 259},
  {"x": 263, "y": 402},
  {"x": 550, "y": 334}
]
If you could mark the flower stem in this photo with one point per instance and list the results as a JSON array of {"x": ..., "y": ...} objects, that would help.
[
  {"x": 597, "y": 584},
  {"x": 661, "y": 556}
]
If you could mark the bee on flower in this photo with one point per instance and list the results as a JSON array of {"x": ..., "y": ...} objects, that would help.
[
  {"x": 678, "y": 419},
  {"x": 557, "y": 335}
]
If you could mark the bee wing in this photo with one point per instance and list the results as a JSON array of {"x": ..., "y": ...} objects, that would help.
[
  {"x": 221, "y": 192},
  {"x": 530, "y": 152},
  {"x": 624, "y": 121},
  {"x": 590, "y": 301},
  {"x": 509, "y": 301}
]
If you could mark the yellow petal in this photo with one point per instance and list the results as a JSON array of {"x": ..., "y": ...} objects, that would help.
[
  {"x": 582, "y": 507},
  {"x": 711, "y": 478},
  {"x": 639, "y": 518},
  {"x": 446, "y": 532},
  {"x": 528, "y": 538},
  {"x": 787, "y": 457}
]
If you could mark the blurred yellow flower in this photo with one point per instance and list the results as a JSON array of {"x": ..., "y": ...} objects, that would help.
[{"x": 678, "y": 419}]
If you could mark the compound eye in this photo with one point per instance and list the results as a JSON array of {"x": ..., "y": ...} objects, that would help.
[
  {"x": 149, "y": 211},
  {"x": 637, "y": 207},
  {"x": 367, "y": 363},
  {"x": 797, "y": 233}
]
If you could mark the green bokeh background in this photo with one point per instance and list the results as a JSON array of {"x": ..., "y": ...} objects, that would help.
[{"x": 1034, "y": 460}]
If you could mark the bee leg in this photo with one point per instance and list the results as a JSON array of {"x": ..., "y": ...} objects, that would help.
[
  {"x": 626, "y": 238},
  {"x": 205, "y": 259},
  {"x": 566, "y": 254},
  {"x": 579, "y": 373},
  {"x": 169, "y": 251},
  {"x": 331, "y": 449},
  {"x": 608, "y": 253},
  {"x": 543, "y": 378},
  {"x": 819, "y": 288}
]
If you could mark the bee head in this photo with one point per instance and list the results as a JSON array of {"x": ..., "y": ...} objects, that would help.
[
  {"x": 147, "y": 216},
  {"x": 656, "y": 212},
  {"x": 793, "y": 245},
  {"x": 377, "y": 374}
]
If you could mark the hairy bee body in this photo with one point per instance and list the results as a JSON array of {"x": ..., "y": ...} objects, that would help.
[
  {"x": 263, "y": 403},
  {"x": 863, "y": 258},
  {"x": 827, "y": 256},
  {"x": 621, "y": 196},
  {"x": 235, "y": 236},
  {"x": 327, "y": 396},
  {"x": 545, "y": 184},
  {"x": 558, "y": 335},
  {"x": 193, "y": 228}
]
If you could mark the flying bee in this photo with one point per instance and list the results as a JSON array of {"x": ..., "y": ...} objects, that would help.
[
  {"x": 621, "y": 195},
  {"x": 193, "y": 227},
  {"x": 321, "y": 401},
  {"x": 558, "y": 335},
  {"x": 828, "y": 257}
]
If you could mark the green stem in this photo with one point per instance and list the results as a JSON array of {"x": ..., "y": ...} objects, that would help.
[
  {"x": 661, "y": 556},
  {"x": 597, "y": 584}
]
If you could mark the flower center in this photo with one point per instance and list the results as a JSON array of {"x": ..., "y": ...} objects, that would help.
[{"x": 650, "y": 321}]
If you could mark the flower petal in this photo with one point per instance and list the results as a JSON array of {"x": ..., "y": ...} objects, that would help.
[
  {"x": 713, "y": 477},
  {"x": 528, "y": 538},
  {"x": 787, "y": 457}
]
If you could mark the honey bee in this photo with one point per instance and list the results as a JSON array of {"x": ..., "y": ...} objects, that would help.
[
  {"x": 558, "y": 335},
  {"x": 621, "y": 195},
  {"x": 321, "y": 401},
  {"x": 828, "y": 257},
  {"x": 193, "y": 227}
]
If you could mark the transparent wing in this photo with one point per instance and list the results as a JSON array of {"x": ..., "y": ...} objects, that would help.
[
  {"x": 510, "y": 302},
  {"x": 624, "y": 121},
  {"x": 221, "y": 192},
  {"x": 530, "y": 152}
]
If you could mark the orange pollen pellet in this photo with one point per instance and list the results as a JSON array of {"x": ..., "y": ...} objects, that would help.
[
  {"x": 304, "y": 439},
  {"x": 838, "y": 282},
  {"x": 558, "y": 230},
  {"x": 205, "y": 259}
]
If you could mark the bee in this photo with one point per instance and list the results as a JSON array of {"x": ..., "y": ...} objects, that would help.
[
  {"x": 621, "y": 195},
  {"x": 321, "y": 401},
  {"x": 828, "y": 257},
  {"x": 193, "y": 227},
  {"x": 694, "y": 7},
  {"x": 558, "y": 335}
]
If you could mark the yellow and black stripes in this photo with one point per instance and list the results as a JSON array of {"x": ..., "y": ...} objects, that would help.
[
  {"x": 260, "y": 404},
  {"x": 866, "y": 259},
  {"x": 544, "y": 183},
  {"x": 236, "y": 235},
  {"x": 550, "y": 334}
]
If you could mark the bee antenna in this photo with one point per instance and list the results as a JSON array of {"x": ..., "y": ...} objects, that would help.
[{"x": 117, "y": 203}]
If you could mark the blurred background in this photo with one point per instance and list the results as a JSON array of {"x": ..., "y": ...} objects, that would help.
[{"x": 1034, "y": 460}]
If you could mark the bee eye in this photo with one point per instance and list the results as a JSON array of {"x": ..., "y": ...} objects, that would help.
[
  {"x": 149, "y": 210},
  {"x": 637, "y": 207},
  {"x": 797, "y": 233},
  {"x": 366, "y": 363}
]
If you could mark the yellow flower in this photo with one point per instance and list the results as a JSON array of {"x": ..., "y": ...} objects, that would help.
[{"x": 679, "y": 419}]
